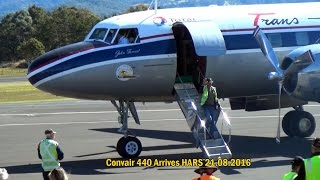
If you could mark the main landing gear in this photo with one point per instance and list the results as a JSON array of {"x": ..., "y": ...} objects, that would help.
[
  {"x": 298, "y": 123},
  {"x": 128, "y": 146}
]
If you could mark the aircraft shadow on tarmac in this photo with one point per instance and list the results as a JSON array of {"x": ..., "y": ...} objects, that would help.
[{"x": 241, "y": 146}]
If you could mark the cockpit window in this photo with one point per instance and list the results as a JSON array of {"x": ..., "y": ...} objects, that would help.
[
  {"x": 116, "y": 36},
  {"x": 99, "y": 34},
  {"x": 111, "y": 34},
  {"x": 127, "y": 36}
]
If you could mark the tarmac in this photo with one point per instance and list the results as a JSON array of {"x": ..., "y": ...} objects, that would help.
[{"x": 87, "y": 133}]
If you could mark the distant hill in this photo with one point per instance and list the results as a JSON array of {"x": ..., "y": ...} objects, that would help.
[{"x": 109, "y": 7}]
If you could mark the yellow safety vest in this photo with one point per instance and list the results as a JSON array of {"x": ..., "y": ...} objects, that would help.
[
  {"x": 290, "y": 176},
  {"x": 312, "y": 168},
  {"x": 205, "y": 95},
  {"x": 49, "y": 155}
]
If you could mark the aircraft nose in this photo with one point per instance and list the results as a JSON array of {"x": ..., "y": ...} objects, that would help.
[{"x": 40, "y": 65}]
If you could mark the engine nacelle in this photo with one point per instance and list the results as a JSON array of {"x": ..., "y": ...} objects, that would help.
[{"x": 305, "y": 83}]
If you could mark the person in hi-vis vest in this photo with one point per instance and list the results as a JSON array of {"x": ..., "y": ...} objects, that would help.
[
  {"x": 206, "y": 173},
  {"x": 210, "y": 104},
  {"x": 296, "y": 163},
  {"x": 310, "y": 169},
  {"x": 50, "y": 153}
]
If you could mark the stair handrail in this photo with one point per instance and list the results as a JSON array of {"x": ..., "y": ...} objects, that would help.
[
  {"x": 205, "y": 129},
  {"x": 227, "y": 120}
]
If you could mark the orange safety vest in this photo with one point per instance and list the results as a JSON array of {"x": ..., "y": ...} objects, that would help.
[{"x": 206, "y": 177}]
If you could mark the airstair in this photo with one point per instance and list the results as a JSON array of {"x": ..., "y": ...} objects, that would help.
[{"x": 207, "y": 136}]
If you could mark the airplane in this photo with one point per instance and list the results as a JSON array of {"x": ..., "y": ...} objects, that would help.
[{"x": 260, "y": 57}]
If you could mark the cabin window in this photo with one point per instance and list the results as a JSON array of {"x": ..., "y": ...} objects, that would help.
[
  {"x": 99, "y": 34},
  {"x": 302, "y": 38},
  {"x": 127, "y": 36},
  {"x": 314, "y": 37},
  {"x": 275, "y": 39}
]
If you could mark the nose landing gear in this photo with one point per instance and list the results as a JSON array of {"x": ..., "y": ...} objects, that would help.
[{"x": 128, "y": 146}]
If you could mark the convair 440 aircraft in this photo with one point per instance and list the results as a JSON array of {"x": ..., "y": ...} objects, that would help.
[{"x": 260, "y": 57}]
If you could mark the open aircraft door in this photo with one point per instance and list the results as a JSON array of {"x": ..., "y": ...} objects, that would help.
[
  {"x": 206, "y": 37},
  {"x": 196, "y": 41}
]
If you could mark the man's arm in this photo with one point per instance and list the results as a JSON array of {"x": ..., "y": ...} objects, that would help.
[
  {"x": 38, "y": 149},
  {"x": 60, "y": 153}
]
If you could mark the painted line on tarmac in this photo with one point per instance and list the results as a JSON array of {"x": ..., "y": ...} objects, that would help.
[
  {"x": 92, "y": 112},
  {"x": 89, "y": 122},
  {"x": 146, "y": 120}
]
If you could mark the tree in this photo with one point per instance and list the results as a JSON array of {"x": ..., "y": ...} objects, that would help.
[
  {"x": 15, "y": 29},
  {"x": 70, "y": 24},
  {"x": 41, "y": 24},
  {"x": 30, "y": 49},
  {"x": 136, "y": 8}
]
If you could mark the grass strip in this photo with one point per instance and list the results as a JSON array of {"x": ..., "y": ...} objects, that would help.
[
  {"x": 4, "y": 72},
  {"x": 24, "y": 91}
]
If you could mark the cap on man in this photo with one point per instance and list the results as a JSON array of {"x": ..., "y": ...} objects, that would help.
[{"x": 50, "y": 153}]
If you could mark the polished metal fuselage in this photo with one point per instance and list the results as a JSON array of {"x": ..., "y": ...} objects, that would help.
[{"x": 238, "y": 73}]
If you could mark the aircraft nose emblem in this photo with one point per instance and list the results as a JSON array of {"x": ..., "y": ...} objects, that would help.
[{"x": 125, "y": 72}]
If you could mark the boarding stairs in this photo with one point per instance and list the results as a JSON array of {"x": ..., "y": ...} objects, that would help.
[{"x": 209, "y": 140}]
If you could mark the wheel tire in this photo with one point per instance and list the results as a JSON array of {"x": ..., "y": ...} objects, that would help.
[
  {"x": 287, "y": 121},
  {"x": 130, "y": 147},
  {"x": 119, "y": 145},
  {"x": 303, "y": 124}
]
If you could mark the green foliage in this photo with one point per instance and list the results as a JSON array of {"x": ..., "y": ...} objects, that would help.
[
  {"x": 28, "y": 34},
  {"x": 15, "y": 29},
  {"x": 70, "y": 24},
  {"x": 140, "y": 7},
  {"x": 30, "y": 49}
]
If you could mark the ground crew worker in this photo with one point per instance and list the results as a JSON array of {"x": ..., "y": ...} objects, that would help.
[
  {"x": 50, "y": 153},
  {"x": 209, "y": 102},
  {"x": 310, "y": 169},
  {"x": 296, "y": 164},
  {"x": 206, "y": 173}
]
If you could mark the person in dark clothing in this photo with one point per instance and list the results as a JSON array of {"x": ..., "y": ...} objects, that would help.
[
  {"x": 50, "y": 153},
  {"x": 296, "y": 163}
]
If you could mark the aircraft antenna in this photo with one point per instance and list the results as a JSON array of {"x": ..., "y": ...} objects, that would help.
[{"x": 155, "y": 6}]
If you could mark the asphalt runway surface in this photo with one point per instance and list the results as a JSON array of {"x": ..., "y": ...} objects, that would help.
[{"x": 87, "y": 133}]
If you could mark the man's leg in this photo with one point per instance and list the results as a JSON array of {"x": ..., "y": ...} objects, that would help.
[
  {"x": 214, "y": 119},
  {"x": 208, "y": 116},
  {"x": 45, "y": 175},
  {"x": 213, "y": 113}
]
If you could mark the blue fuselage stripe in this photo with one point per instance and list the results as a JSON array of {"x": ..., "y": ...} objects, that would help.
[
  {"x": 146, "y": 49},
  {"x": 233, "y": 42}
]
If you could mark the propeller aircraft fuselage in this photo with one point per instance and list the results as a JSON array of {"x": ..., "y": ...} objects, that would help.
[{"x": 139, "y": 56}]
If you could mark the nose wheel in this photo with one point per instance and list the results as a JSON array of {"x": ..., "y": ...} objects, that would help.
[{"x": 129, "y": 147}]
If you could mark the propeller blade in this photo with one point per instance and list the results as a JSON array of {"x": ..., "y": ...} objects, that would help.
[
  {"x": 279, "y": 115},
  {"x": 303, "y": 61},
  {"x": 267, "y": 49}
]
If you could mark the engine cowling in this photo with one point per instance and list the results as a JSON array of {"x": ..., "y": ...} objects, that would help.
[{"x": 304, "y": 82}]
